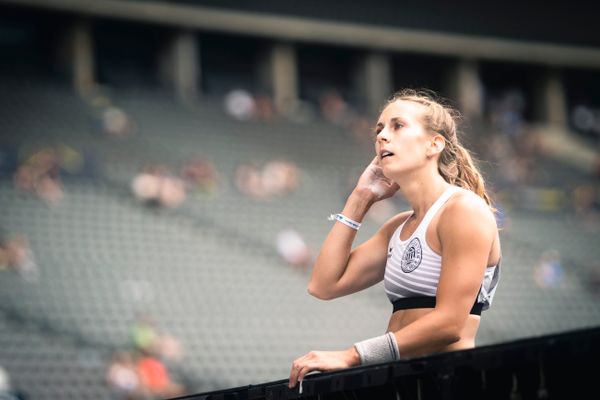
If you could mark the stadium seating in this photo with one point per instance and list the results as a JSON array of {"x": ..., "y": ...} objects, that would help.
[{"x": 208, "y": 272}]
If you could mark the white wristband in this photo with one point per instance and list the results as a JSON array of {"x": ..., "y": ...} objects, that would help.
[
  {"x": 378, "y": 349},
  {"x": 345, "y": 220}
]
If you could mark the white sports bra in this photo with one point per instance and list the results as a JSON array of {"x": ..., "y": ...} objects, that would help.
[{"x": 412, "y": 271}]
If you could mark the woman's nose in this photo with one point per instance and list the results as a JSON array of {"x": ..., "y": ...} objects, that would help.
[{"x": 383, "y": 135}]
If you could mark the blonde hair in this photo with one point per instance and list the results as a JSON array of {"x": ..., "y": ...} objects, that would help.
[{"x": 455, "y": 164}]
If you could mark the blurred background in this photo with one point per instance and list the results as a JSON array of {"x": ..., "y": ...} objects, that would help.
[{"x": 167, "y": 169}]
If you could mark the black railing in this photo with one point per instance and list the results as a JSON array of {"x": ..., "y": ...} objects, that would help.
[{"x": 561, "y": 366}]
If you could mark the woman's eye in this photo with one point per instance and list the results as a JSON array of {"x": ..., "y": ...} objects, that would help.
[{"x": 398, "y": 125}]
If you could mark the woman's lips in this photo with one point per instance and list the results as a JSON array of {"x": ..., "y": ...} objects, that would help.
[{"x": 385, "y": 154}]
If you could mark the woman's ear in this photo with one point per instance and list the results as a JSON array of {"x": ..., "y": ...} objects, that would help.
[{"x": 436, "y": 145}]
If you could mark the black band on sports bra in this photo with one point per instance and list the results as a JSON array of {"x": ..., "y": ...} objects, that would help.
[{"x": 408, "y": 303}]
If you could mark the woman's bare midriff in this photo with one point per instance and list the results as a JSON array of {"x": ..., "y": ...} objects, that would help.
[{"x": 402, "y": 318}]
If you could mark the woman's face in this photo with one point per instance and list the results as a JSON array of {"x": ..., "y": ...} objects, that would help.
[{"x": 402, "y": 141}]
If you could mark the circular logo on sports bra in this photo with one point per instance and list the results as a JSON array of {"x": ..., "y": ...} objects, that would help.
[{"x": 412, "y": 256}]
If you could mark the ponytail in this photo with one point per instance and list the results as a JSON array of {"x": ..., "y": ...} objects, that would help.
[{"x": 459, "y": 169}]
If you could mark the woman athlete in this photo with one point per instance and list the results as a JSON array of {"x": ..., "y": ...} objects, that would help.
[{"x": 440, "y": 262}]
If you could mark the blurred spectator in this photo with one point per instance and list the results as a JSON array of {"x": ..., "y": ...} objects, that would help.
[
  {"x": 146, "y": 338},
  {"x": 40, "y": 174},
  {"x": 503, "y": 220},
  {"x": 265, "y": 109},
  {"x": 361, "y": 130},
  {"x": 141, "y": 376},
  {"x": 515, "y": 165},
  {"x": 199, "y": 175},
  {"x": 275, "y": 178},
  {"x": 279, "y": 177},
  {"x": 507, "y": 112},
  {"x": 117, "y": 123},
  {"x": 583, "y": 118},
  {"x": 144, "y": 335},
  {"x": 593, "y": 280},
  {"x": 152, "y": 347},
  {"x": 6, "y": 390},
  {"x": 16, "y": 255},
  {"x": 240, "y": 104},
  {"x": 549, "y": 272},
  {"x": 156, "y": 186},
  {"x": 109, "y": 119},
  {"x": 155, "y": 379},
  {"x": 122, "y": 375},
  {"x": 292, "y": 247},
  {"x": 169, "y": 347},
  {"x": 333, "y": 107},
  {"x": 584, "y": 199},
  {"x": 337, "y": 111},
  {"x": 69, "y": 159}
]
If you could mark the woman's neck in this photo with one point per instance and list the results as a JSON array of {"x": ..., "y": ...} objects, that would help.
[{"x": 422, "y": 191}]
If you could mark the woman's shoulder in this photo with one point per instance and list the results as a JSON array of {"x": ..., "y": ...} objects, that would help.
[{"x": 467, "y": 206}]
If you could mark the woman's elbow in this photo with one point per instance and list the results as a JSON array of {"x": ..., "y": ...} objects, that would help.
[
  {"x": 453, "y": 337},
  {"x": 449, "y": 329},
  {"x": 318, "y": 292},
  {"x": 452, "y": 333}
]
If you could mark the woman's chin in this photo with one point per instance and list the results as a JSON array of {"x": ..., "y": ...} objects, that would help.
[{"x": 388, "y": 171}]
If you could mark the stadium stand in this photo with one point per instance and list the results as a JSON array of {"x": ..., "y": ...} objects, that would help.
[
  {"x": 202, "y": 274},
  {"x": 90, "y": 274}
]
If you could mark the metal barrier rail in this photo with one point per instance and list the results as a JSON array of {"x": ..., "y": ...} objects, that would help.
[{"x": 559, "y": 366}]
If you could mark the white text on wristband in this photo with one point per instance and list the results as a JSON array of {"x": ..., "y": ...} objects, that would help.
[{"x": 345, "y": 220}]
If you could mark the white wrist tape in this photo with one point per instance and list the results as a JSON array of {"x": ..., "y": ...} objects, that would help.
[
  {"x": 345, "y": 220},
  {"x": 378, "y": 349}
]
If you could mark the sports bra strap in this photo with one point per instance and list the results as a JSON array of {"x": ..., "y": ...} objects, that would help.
[{"x": 444, "y": 197}]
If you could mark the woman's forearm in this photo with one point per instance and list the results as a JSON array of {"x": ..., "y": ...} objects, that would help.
[
  {"x": 428, "y": 335},
  {"x": 334, "y": 255}
]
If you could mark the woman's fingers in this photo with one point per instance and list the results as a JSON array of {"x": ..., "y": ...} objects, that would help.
[
  {"x": 296, "y": 367},
  {"x": 293, "y": 375},
  {"x": 305, "y": 370},
  {"x": 300, "y": 367},
  {"x": 299, "y": 372}
]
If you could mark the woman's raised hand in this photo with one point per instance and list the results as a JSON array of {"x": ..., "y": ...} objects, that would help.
[{"x": 374, "y": 181}]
